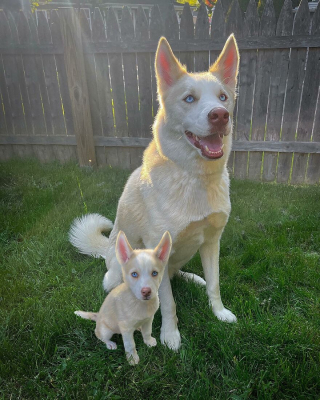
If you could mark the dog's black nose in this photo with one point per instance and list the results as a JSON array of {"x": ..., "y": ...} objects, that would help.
[
  {"x": 218, "y": 116},
  {"x": 146, "y": 291}
]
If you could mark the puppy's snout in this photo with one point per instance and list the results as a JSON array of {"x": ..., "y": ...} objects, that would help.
[
  {"x": 146, "y": 291},
  {"x": 218, "y": 116}
]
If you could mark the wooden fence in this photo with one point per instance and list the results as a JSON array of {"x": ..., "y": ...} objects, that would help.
[{"x": 80, "y": 86}]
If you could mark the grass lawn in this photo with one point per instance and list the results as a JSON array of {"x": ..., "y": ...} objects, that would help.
[{"x": 270, "y": 278}]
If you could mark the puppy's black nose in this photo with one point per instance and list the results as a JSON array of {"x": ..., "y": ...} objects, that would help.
[
  {"x": 218, "y": 116},
  {"x": 146, "y": 291}
]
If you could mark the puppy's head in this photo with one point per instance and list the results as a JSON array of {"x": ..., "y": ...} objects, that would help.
[
  {"x": 198, "y": 107},
  {"x": 143, "y": 269}
]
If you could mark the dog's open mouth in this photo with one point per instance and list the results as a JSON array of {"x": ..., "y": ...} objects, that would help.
[{"x": 211, "y": 146}]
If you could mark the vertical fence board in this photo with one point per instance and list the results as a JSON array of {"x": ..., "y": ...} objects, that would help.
[
  {"x": 62, "y": 74},
  {"x": 5, "y": 38},
  {"x": 156, "y": 31},
  {"x": 144, "y": 75},
  {"x": 72, "y": 41},
  {"x": 187, "y": 33},
  {"x": 308, "y": 105},
  {"x": 51, "y": 81},
  {"x": 260, "y": 106},
  {"x": 218, "y": 27},
  {"x": 32, "y": 83},
  {"x": 89, "y": 63},
  {"x": 313, "y": 171},
  {"x": 201, "y": 58},
  {"x": 293, "y": 93},
  {"x": 277, "y": 90}
]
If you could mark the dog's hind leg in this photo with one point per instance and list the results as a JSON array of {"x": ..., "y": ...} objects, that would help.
[
  {"x": 192, "y": 277},
  {"x": 105, "y": 334},
  {"x": 113, "y": 277}
]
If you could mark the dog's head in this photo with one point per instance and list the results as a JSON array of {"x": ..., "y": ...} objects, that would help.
[
  {"x": 198, "y": 107},
  {"x": 143, "y": 270}
]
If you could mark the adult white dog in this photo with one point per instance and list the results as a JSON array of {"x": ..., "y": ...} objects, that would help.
[{"x": 182, "y": 185}]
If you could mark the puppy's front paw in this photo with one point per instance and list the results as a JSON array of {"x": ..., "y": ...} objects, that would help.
[
  {"x": 133, "y": 359},
  {"x": 171, "y": 338},
  {"x": 151, "y": 342},
  {"x": 225, "y": 315}
]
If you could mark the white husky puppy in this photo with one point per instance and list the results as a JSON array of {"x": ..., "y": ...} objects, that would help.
[
  {"x": 132, "y": 304},
  {"x": 182, "y": 185}
]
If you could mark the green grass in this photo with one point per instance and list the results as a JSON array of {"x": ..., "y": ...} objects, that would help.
[{"x": 270, "y": 261}]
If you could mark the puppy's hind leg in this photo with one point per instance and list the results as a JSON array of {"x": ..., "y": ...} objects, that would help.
[{"x": 105, "y": 334}]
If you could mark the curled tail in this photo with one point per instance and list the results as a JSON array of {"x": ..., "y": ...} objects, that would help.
[
  {"x": 86, "y": 234},
  {"x": 87, "y": 315}
]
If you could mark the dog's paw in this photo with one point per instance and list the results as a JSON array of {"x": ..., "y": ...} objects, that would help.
[
  {"x": 111, "y": 345},
  {"x": 225, "y": 315},
  {"x": 151, "y": 342},
  {"x": 171, "y": 339},
  {"x": 133, "y": 359}
]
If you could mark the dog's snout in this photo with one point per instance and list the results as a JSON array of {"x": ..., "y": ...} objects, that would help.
[
  {"x": 218, "y": 116},
  {"x": 146, "y": 291}
]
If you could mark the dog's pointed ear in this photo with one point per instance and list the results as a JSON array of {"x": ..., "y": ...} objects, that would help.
[
  {"x": 163, "y": 249},
  {"x": 168, "y": 68},
  {"x": 123, "y": 249},
  {"x": 226, "y": 66}
]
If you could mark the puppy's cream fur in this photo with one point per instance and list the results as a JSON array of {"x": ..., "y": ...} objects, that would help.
[
  {"x": 176, "y": 188},
  {"x": 132, "y": 304}
]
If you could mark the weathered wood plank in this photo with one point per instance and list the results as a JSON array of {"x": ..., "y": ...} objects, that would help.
[
  {"x": 116, "y": 75},
  {"x": 308, "y": 104},
  {"x": 31, "y": 78},
  {"x": 156, "y": 31},
  {"x": 144, "y": 76},
  {"x": 251, "y": 43},
  {"x": 103, "y": 76},
  {"x": 293, "y": 93},
  {"x": 89, "y": 64},
  {"x": 277, "y": 90},
  {"x": 262, "y": 84},
  {"x": 71, "y": 34},
  {"x": 51, "y": 81},
  {"x": 62, "y": 75},
  {"x": 130, "y": 76},
  {"x": 218, "y": 28},
  {"x": 236, "y": 24},
  {"x": 238, "y": 145},
  {"x": 201, "y": 58},
  {"x": 313, "y": 171},
  {"x": 187, "y": 33}
]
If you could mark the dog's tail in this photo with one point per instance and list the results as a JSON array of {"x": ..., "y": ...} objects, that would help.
[
  {"x": 86, "y": 234},
  {"x": 87, "y": 315}
]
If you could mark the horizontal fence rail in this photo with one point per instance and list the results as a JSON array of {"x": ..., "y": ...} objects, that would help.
[{"x": 80, "y": 85}]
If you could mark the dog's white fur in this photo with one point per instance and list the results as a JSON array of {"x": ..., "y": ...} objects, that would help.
[
  {"x": 126, "y": 308},
  {"x": 176, "y": 188}
]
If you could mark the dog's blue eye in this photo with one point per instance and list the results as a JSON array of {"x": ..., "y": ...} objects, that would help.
[
  {"x": 223, "y": 97},
  {"x": 154, "y": 273},
  {"x": 134, "y": 274},
  {"x": 189, "y": 99}
]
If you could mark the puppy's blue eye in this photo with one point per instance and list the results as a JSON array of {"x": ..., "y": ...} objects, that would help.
[
  {"x": 154, "y": 273},
  {"x": 223, "y": 97},
  {"x": 134, "y": 274},
  {"x": 189, "y": 99}
]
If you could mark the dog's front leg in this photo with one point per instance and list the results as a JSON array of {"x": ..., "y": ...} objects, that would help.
[
  {"x": 146, "y": 330},
  {"x": 130, "y": 346},
  {"x": 209, "y": 253},
  {"x": 170, "y": 334}
]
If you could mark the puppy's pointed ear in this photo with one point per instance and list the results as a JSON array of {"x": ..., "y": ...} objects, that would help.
[
  {"x": 163, "y": 249},
  {"x": 123, "y": 249},
  {"x": 168, "y": 68},
  {"x": 226, "y": 66}
]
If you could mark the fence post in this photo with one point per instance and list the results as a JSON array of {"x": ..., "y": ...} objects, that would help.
[{"x": 77, "y": 83}]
